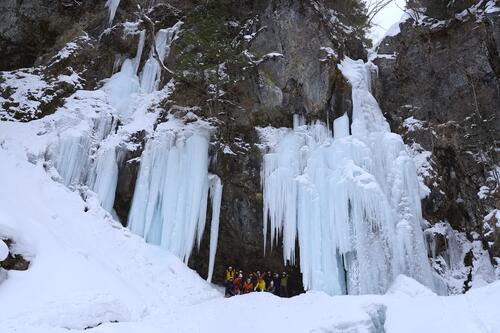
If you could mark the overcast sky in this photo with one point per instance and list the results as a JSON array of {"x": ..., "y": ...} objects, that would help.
[{"x": 386, "y": 18}]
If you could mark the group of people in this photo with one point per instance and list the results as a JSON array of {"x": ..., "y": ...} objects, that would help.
[{"x": 237, "y": 284}]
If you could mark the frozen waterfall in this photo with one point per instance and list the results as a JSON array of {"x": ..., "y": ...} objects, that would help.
[
  {"x": 351, "y": 200},
  {"x": 170, "y": 200}
]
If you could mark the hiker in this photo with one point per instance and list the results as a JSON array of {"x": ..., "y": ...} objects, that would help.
[
  {"x": 277, "y": 284},
  {"x": 261, "y": 285},
  {"x": 229, "y": 288},
  {"x": 229, "y": 273},
  {"x": 268, "y": 278},
  {"x": 248, "y": 286},
  {"x": 238, "y": 284},
  {"x": 271, "y": 288},
  {"x": 284, "y": 285}
]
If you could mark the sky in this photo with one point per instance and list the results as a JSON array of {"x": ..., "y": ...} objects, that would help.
[{"x": 386, "y": 18}]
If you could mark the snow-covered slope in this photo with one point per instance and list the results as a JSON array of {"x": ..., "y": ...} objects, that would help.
[{"x": 85, "y": 268}]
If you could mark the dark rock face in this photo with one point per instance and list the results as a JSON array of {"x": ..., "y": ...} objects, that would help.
[
  {"x": 14, "y": 261},
  {"x": 440, "y": 90},
  {"x": 30, "y": 29}
]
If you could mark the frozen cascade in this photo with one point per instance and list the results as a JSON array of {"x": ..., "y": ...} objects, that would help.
[
  {"x": 170, "y": 200},
  {"x": 352, "y": 201},
  {"x": 76, "y": 146},
  {"x": 171, "y": 197},
  {"x": 112, "y": 7},
  {"x": 150, "y": 76},
  {"x": 86, "y": 155}
]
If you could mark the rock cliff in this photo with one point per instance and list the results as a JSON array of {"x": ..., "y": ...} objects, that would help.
[{"x": 438, "y": 85}]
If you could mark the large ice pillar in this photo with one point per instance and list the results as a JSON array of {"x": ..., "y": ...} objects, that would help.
[
  {"x": 352, "y": 201},
  {"x": 170, "y": 199},
  {"x": 216, "y": 198}
]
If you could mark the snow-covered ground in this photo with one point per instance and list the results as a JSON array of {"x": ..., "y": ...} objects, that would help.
[{"x": 87, "y": 270}]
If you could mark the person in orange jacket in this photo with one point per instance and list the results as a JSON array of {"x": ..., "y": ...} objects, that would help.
[
  {"x": 248, "y": 286},
  {"x": 238, "y": 284}
]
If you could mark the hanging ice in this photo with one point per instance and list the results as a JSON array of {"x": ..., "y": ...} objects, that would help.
[
  {"x": 352, "y": 201},
  {"x": 112, "y": 7},
  {"x": 170, "y": 200},
  {"x": 86, "y": 155},
  {"x": 150, "y": 76}
]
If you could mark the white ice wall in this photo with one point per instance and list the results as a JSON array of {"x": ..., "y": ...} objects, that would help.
[
  {"x": 170, "y": 199},
  {"x": 352, "y": 201}
]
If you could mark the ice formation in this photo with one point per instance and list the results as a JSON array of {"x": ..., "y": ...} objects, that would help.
[
  {"x": 112, "y": 7},
  {"x": 170, "y": 200},
  {"x": 351, "y": 200}
]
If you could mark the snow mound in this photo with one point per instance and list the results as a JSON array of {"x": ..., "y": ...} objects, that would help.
[{"x": 409, "y": 287}]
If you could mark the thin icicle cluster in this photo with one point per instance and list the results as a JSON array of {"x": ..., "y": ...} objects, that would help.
[
  {"x": 170, "y": 200},
  {"x": 352, "y": 201}
]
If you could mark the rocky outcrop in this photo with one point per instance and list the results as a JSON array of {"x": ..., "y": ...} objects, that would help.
[
  {"x": 438, "y": 85},
  {"x": 14, "y": 261}
]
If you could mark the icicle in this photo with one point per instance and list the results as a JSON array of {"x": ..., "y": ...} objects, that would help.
[
  {"x": 105, "y": 177},
  {"x": 151, "y": 72},
  {"x": 112, "y": 7},
  {"x": 352, "y": 200},
  {"x": 215, "y": 197}
]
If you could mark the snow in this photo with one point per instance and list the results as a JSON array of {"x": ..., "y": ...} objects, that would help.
[
  {"x": 408, "y": 287},
  {"x": 484, "y": 192},
  {"x": 83, "y": 263},
  {"x": 27, "y": 88},
  {"x": 411, "y": 124},
  {"x": 386, "y": 22},
  {"x": 352, "y": 201}
]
